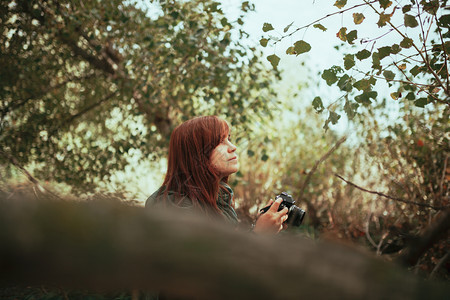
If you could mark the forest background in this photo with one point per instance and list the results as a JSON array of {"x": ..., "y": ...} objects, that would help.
[{"x": 90, "y": 91}]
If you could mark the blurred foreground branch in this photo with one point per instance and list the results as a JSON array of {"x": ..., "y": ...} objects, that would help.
[{"x": 113, "y": 246}]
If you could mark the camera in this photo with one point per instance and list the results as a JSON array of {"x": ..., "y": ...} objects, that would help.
[{"x": 295, "y": 213}]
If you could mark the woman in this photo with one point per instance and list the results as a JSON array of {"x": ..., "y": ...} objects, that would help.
[{"x": 201, "y": 157}]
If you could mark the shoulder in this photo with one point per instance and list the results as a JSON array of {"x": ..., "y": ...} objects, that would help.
[{"x": 161, "y": 197}]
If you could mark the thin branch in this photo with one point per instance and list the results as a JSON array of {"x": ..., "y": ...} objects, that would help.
[
  {"x": 320, "y": 19},
  {"x": 43, "y": 92},
  {"x": 318, "y": 162},
  {"x": 441, "y": 184},
  {"x": 369, "y": 238},
  {"x": 436, "y": 231},
  {"x": 389, "y": 197},
  {"x": 443, "y": 48},
  {"x": 423, "y": 34},
  {"x": 82, "y": 112},
  {"x": 88, "y": 108},
  {"x": 439, "y": 264},
  {"x": 30, "y": 177},
  {"x": 438, "y": 80}
]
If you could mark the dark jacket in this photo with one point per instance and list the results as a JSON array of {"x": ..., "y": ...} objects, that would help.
[{"x": 224, "y": 202}]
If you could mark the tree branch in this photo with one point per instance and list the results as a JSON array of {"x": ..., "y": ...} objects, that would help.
[
  {"x": 320, "y": 19},
  {"x": 415, "y": 47},
  {"x": 30, "y": 177},
  {"x": 82, "y": 112},
  {"x": 43, "y": 92},
  {"x": 436, "y": 231},
  {"x": 110, "y": 246},
  {"x": 318, "y": 162},
  {"x": 389, "y": 197}
]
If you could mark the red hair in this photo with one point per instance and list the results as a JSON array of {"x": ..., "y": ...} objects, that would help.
[{"x": 189, "y": 171}]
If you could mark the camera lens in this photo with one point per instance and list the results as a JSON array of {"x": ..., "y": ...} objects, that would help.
[{"x": 295, "y": 216}]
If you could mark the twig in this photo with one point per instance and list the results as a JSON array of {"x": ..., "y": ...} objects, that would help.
[
  {"x": 389, "y": 197},
  {"x": 432, "y": 72},
  {"x": 369, "y": 238},
  {"x": 320, "y": 19},
  {"x": 30, "y": 177},
  {"x": 439, "y": 264},
  {"x": 313, "y": 170},
  {"x": 443, "y": 49},
  {"x": 441, "y": 191}
]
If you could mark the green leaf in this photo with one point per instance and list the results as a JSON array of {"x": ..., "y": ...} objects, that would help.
[
  {"x": 318, "y": 105},
  {"x": 363, "y": 54},
  {"x": 430, "y": 7},
  {"x": 385, "y": 3},
  {"x": 274, "y": 60},
  {"x": 410, "y": 96},
  {"x": 421, "y": 102},
  {"x": 389, "y": 75},
  {"x": 290, "y": 50},
  {"x": 376, "y": 61},
  {"x": 384, "y": 51},
  {"x": 406, "y": 43},
  {"x": 384, "y": 18},
  {"x": 287, "y": 27},
  {"x": 365, "y": 97},
  {"x": 345, "y": 83},
  {"x": 406, "y": 8},
  {"x": 265, "y": 157},
  {"x": 362, "y": 85},
  {"x": 351, "y": 36},
  {"x": 447, "y": 47},
  {"x": 350, "y": 109},
  {"x": 349, "y": 61},
  {"x": 329, "y": 75},
  {"x": 444, "y": 21},
  {"x": 263, "y": 42},
  {"x": 224, "y": 22},
  {"x": 414, "y": 71},
  {"x": 320, "y": 26},
  {"x": 301, "y": 47},
  {"x": 395, "y": 49},
  {"x": 250, "y": 153},
  {"x": 358, "y": 18},
  {"x": 340, "y": 3},
  {"x": 267, "y": 27},
  {"x": 334, "y": 117},
  {"x": 410, "y": 21}
]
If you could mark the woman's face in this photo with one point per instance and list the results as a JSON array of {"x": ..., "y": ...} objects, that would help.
[{"x": 224, "y": 158}]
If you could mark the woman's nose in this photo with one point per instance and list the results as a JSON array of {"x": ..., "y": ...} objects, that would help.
[{"x": 231, "y": 148}]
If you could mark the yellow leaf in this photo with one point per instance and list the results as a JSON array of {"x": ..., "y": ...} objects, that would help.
[
  {"x": 342, "y": 34},
  {"x": 402, "y": 67},
  {"x": 394, "y": 95},
  {"x": 358, "y": 18}
]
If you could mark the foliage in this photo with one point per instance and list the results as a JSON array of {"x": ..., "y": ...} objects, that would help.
[
  {"x": 413, "y": 157},
  {"x": 413, "y": 60},
  {"x": 86, "y": 84}
]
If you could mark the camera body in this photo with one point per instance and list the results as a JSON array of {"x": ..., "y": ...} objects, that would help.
[{"x": 295, "y": 213}]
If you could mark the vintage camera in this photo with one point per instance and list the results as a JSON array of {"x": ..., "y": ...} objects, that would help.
[{"x": 295, "y": 214}]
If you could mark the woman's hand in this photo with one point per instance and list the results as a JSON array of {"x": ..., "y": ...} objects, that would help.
[{"x": 271, "y": 222}]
